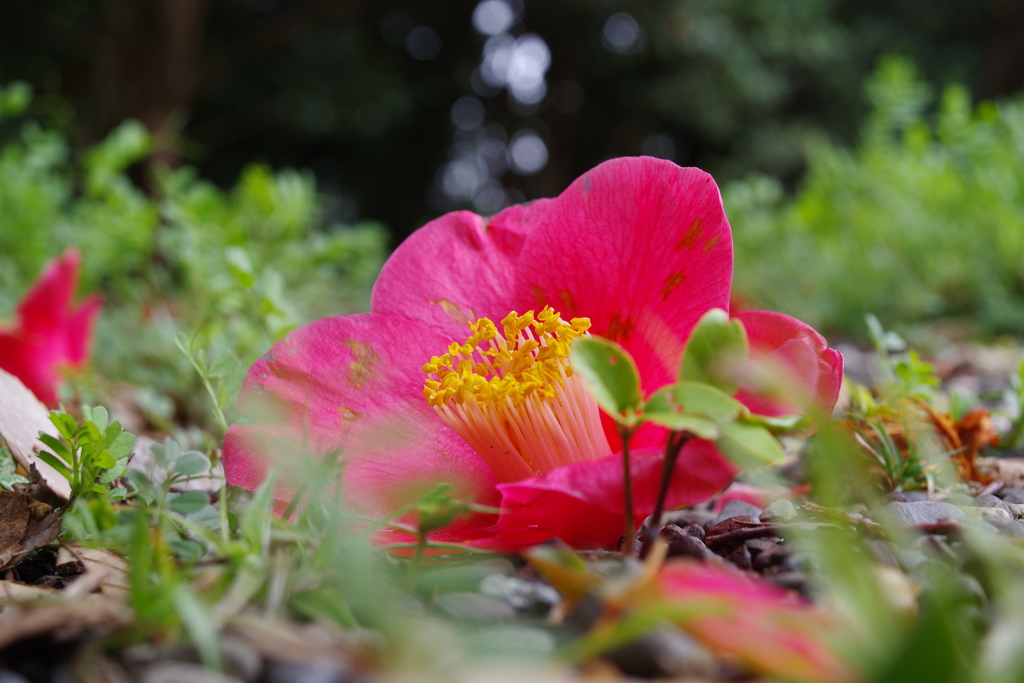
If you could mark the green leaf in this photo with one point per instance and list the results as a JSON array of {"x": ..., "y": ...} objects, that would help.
[
  {"x": 324, "y": 602},
  {"x": 54, "y": 462},
  {"x": 104, "y": 460},
  {"x": 112, "y": 473},
  {"x": 201, "y": 626},
  {"x": 207, "y": 517},
  {"x": 56, "y": 445},
  {"x": 187, "y": 551},
  {"x": 748, "y": 445},
  {"x": 184, "y": 344},
  {"x": 189, "y": 501},
  {"x": 64, "y": 423},
  {"x": 121, "y": 445},
  {"x": 87, "y": 434},
  {"x": 119, "y": 493},
  {"x": 699, "y": 426},
  {"x": 715, "y": 346},
  {"x": 610, "y": 375},
  {"x": 191, "y": 463},
  {"x": 98, "y": 416},
  {"x": 703, "y": 400},
  {"x": 437, "y": 509},
  {"x": 782, "y": 424},
  {"x": 15, "y": 98},
  {"x": 8, "y": 470}
]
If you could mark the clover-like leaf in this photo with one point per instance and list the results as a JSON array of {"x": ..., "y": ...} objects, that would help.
[
  {"x": 715, "y": 346},
  {"x": 663, "y": 408},
  {"x": 189, "y": 501},
  {"x": 781, "y": 424},
  {"x": 697, "y": 399},
  {"x": 610, "y": 375},
  {"x": 748, "y": 445},
  {"x": 191, "y": 463}
]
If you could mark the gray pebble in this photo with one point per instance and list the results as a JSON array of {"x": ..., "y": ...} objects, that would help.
[
  {"x": 759, "y": 545},
  {"x": 987, "y": 500},
  {"x": 1013, "y": 496},
  {"x": 307, "y": 672},
  {"x": 684, "y": 545},
  {"x": 520, "y": 594},
  {"x": 916, "y": 514},
  {"x": 781, "y": 510},
  {"x": 687, "y": 517},
  {"x": 740, "y": 557},
  {"x": 666, "y": 652},
  {"x": 793, "y": 580},
  {"x": 737, "y": 508},
  {"x": 933, "y": 545},
  {"x": 176, "y": 672},
  {"x": 241, "y": 659},
  {"x": 993, "y": 515},
  {"x": 884, "y": 552},
  {"x": 910, "y": 560},
  {"x": 475, "y": 606}
]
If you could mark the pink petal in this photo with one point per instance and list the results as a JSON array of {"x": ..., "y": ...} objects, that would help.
[
  {"x": 768, "y": 630},
  {"x": 47, "y": 306},
  {"x": 353, "y": 384},
  {"x": 34, "y": 365},
  {"x": 640, "y": 246},
  {"x": 50, "y": 333},
  {"x": 786, "y": 343},
  {"x": 582, "y": 504},
  {"x": 457, "y": 268},
  {"x": 79, "y": 331}
]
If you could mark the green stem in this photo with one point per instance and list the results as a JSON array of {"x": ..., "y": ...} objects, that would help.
[
  {"x": 414, "y": 562},
  {"x": 676, "y": 441},
  {"x": 627, "y": 488}
]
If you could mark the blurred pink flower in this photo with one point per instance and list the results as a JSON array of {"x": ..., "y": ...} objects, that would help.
[
  {"x": 639, "y": 246},
  {"x": 51, "y": 332},
  {"x": 768, "y": 629}
]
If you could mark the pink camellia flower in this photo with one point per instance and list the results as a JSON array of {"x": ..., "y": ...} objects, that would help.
[
  {"x": 637, "y": 250},
  {"x": 51, "y": 333},
  {"x": 768, "y": 629}
]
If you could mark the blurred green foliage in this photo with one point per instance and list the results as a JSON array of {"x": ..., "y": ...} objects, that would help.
[
  {"x": 924, "y": 219},
  {"x": 234, "y": 270}
]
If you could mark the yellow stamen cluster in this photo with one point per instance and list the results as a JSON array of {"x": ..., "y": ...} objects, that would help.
[
  {"x": 512, "y": 394},
  {"x": 532, "y": 356}
]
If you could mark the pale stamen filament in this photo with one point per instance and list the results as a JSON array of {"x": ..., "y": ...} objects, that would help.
[{"x": 514, "y": 398}]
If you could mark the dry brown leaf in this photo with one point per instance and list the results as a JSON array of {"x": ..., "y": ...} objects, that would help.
[
  {"x": 63, "y": 617},
  {"x": 105, "y": 571},
  {"x": 22, "y": 592},
  {"x": 22, "y": 417},
  {"x": 1010, "y": 470},
  {"x": 288, "y": 642},
  {"x": 25, "y": 524},
  {"x": 976, "y": 432}
]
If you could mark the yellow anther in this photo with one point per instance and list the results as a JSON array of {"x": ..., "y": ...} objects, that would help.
[{"x": 531, "y": 358}]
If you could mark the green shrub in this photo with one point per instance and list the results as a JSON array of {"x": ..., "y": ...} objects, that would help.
[
  {"x": 924, "y": 220},
  {"x": 234, "y": 270}
]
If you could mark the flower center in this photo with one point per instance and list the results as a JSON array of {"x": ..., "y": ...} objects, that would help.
[{"x": 514, "y": 397}]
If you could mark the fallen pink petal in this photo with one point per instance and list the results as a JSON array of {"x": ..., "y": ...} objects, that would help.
[
  {"x": 51, "y": 332},
  {"x": 768, "y": 629}
]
